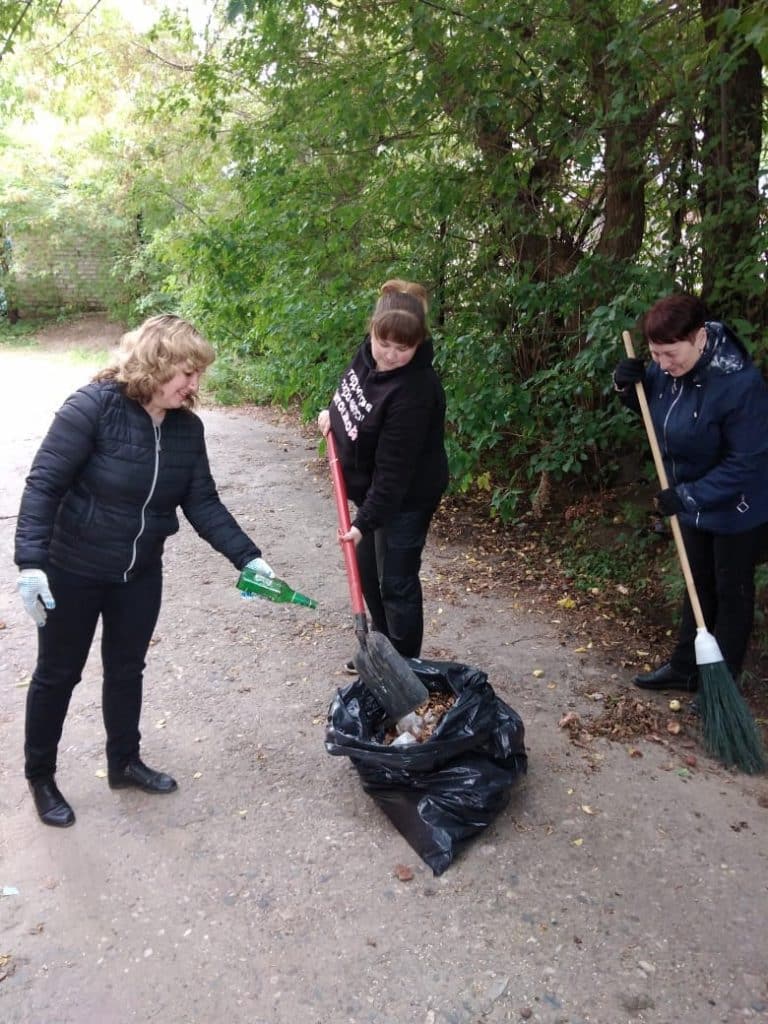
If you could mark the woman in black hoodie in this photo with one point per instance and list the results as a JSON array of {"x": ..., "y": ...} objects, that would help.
[{"x": 388, "y": 421}]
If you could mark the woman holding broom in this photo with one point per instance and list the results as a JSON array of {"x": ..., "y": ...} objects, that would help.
[{"x": 709, "y": 406}]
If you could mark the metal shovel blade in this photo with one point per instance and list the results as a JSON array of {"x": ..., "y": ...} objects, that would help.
[{"x": 390, "y": 678}]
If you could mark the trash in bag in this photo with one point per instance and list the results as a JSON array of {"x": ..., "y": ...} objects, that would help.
[{"x": 441, "y": 792}]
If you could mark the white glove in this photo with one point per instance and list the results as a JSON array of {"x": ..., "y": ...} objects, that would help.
[
  {"x": 258, "y": 565},
  {"x": 32, "y": 584},
  {"x": 261, "y": 568}
]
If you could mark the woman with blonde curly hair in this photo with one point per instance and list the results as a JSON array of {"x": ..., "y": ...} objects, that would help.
[{"x": 123, "y": 454}]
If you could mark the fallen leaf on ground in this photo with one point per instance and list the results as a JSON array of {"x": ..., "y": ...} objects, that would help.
[{"x": 403, "y": 873}]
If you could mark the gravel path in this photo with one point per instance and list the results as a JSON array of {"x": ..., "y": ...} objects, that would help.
[{"x": 620, "y": 884}]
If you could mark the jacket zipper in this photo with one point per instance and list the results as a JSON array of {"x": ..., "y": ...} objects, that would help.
[
  {"x": 137, "y": 538},
  {"x": 666, "y": 420}
]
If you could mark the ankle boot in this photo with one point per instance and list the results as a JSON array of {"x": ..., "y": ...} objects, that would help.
[
  {"x": 140, "y": 776},
  {"x": 668, "y": 678},
  {"x": 51, "y": 806}
]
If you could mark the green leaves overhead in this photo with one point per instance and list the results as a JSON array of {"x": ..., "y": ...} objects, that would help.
[{"x": 546, "y": 167}]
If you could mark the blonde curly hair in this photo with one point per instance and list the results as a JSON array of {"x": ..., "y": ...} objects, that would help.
[{"x": 149, "y": 356}]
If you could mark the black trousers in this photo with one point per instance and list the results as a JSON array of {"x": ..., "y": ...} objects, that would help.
[
  {"x": 723, "y": 568},
  {"x": 389, "y": 560},
  {"x": 128, "y": 613}
]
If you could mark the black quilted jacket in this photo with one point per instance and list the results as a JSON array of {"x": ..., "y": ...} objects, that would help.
[{"x": 102, "y": 494}]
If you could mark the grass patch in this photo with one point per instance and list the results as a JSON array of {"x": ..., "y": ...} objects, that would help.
[
  {"x": 89, "y": 356},
  {"x": 21, "y": 334}
]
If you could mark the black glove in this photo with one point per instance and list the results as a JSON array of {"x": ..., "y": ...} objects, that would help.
[
  {"x": 628, "y": 372},
  {"x": 668, "y": 503}
]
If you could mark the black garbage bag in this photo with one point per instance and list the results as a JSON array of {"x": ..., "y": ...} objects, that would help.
[{"x": 439, "y": 793}]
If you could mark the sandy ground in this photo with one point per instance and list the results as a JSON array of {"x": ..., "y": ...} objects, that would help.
[{"x": 618, "y": 886}]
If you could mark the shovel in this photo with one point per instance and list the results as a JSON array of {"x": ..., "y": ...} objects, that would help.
[{"x": 382, "y": 669}]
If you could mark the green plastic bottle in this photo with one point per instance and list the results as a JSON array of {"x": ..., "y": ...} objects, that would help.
[{"x": 254, "y": 584}]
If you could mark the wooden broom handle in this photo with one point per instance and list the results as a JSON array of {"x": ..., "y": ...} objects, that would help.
[{"x": 674, "y": 523}]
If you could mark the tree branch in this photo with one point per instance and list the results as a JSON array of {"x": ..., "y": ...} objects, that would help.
[
  {"x": 72, "y": 31},
  {"x": 14, "y": 30}
]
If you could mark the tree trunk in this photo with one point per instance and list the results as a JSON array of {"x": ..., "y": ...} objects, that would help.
[
  {"x": 731, "y": 159},
  {"x": 624, "y": 160}
]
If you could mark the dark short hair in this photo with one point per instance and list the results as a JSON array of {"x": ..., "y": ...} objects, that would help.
[{"x": 673, "y": 318}]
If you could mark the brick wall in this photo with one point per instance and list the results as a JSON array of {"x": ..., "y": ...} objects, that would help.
[{"x": 69, "y": 272}]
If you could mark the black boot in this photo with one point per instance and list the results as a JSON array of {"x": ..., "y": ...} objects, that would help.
[
  {"x": 139, "y": 776},
  {"x": 668, "y": 678},
  {"x": 51, "y": 806}
]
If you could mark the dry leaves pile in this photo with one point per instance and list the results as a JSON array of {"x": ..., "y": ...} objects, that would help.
[
  {"x": 7, "y": 966},
  {"x": 526, "y": 561},
  {"x": 626, "y": 717},
  {"x": 430, "y": 714},
  {"x": 626, "y": 622}
]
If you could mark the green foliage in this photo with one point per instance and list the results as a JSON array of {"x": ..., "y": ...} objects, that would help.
[
  {"x": 419, "y": 156},
  {"x": 17, "y": 335},
  {"x": 86, "y": 180},
  {"x": 18, "y": 21},
  {"x": 627, "y": 555},
  {"x": 544, "y": 168}
]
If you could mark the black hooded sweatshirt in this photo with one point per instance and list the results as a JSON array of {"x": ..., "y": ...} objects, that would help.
[{"x": 389, "y": 429}]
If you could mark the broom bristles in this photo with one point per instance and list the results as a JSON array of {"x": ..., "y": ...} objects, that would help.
[{"x": 730, "y": 732}]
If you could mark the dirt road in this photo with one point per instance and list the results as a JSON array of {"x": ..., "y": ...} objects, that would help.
[{"x": 620, "y": 885}]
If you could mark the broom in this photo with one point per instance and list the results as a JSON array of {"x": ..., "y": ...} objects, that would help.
[{"x": 729, "y": 730}]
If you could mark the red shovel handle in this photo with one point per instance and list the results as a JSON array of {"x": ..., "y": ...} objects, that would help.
[{"x": 342, "y": 511}]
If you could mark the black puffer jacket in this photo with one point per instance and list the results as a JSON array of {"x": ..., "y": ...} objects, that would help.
[
  {"x": 102, "y": 494},
  {"x": 389, "y": 428}
]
